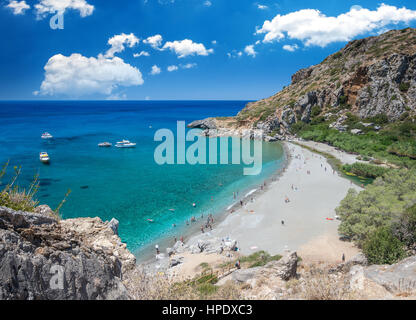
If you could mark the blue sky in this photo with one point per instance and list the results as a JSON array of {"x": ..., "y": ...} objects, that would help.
[{"x": 215, "y": 49}]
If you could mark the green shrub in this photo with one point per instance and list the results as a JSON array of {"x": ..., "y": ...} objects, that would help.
[
  {"x": 405, "y": 228},
  {"x": 379, "y": 205},
  {"x": 382, "y": 247},
  {"x": 315, "y": 111},
  {"x": 343, "y": 100},
  {"x": 404, "y": 86},
  {"x": 365, "y": 170}
]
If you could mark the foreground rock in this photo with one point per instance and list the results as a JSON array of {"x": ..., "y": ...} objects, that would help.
[
  {"x": 399, "y": 278},
  {"x": 43, "y": 258},
  {"x": 284, "y": 269}
]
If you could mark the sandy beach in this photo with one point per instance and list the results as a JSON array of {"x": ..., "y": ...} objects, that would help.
[{"x": 309, "y": 219}]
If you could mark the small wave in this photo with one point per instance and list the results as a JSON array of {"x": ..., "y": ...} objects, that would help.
[
  {"x": 250, "y": 193},
  {"x": 232, "y": 205}
]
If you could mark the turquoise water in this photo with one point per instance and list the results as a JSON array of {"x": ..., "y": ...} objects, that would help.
[{"x": 123, "y": 183}]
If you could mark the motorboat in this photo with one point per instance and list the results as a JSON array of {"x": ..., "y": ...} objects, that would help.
[
  {"x": 46, "y": 135},
  {"x": 44, "y": 157},
  {"x": 125, "y": 144},
  {"x": 105, "y": 144}
]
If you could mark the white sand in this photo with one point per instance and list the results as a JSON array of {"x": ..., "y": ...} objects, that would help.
[
  {"x": 345, "y": 158},
  {"x": 257, "y": 226}
]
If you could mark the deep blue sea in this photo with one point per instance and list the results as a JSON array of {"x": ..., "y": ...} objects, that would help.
[{"x": 123, "y": 183}]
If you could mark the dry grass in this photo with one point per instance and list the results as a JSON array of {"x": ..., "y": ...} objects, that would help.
[
  {"x": 318, "y": 284},
  {"x": 144, "y": 286}
]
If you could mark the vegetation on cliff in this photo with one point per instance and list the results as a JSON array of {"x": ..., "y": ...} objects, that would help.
[{"x": 382, "y": 218}]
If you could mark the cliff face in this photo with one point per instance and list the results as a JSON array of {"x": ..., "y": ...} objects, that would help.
[
  {"x": 42, "y": 258},
  {"x": 368, "y": 77}
]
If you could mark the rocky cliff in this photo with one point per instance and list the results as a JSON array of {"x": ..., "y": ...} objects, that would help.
[
  {"x": 368, "y": 77},
  {"x": 45, "y": 258}
]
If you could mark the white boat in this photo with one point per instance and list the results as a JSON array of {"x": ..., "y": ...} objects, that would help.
[
  {"x": 105, "y": 144},
  {"x": 44, "y": 157},
  {"x": 125, "y": 144},
  {"x": 46, "y": 135}
]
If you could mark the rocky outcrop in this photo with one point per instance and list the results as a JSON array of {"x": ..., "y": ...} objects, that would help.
[
  {"x": 44, "y": 258},
  {"x": 205, "y": 124},
  {"x": 398, "y": 278},
  {"x": 368, "y": 77},
  {"x": 284, "y": 269}
]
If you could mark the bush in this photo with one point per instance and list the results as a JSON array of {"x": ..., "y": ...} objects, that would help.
[
  {"x": 405, "y": 228},
  {"x": 343, "y": 100},
  {"x": 382, "y": 247},
  {"x": 365, "y": 170},
  {"x": 404, "y": 86},
  {"x": 379, "y": 205},
  {"x": 315, "y": 111},
  {"x": 16, "y": 198}
]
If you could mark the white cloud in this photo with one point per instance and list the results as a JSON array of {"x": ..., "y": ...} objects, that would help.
[
  {"x": 187, "y": 47},
  {"x": 154, "y": 41},
  {"x": 188, "y": 65},
  {"x": 77, "y": 75},
  {"x": 155, "y": 70},
  {"x": 142, "y": 53},
  {"x": 118, "y": 41},
  {"x": 234, "y": 54},
  {"x": 290, "y": 48},
  {"x": 172, "y": 68},
  {"x": 207, "y": 3},
  {"x": 315, "y": 28},
  {"x": 214, "y": 42},
  {"x": 249, "y": 50},
  {"x": 18, "y": 7},
  {"x": 262, "y": 7},
  {"x": 45, "y": 7}
]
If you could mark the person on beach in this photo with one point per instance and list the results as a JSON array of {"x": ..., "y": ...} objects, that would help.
[
  {"x": 237, "y": 264},
  {"x": 157, "y": 249},
  {"x": 202, "y": 229},
  {"x": 343, "y": 257},
  {"x": 181, "y": 239},
  {"x": 241, "y": 202},
  {"x": 175, "y": 240}
]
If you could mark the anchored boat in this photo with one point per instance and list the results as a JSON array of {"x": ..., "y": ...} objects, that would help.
[
  {"x": 105, "y": 144},
  {"x": 46, "y": 135},
  {"x": 44, "y": 157},
  {"x": 125, "y": 144}
]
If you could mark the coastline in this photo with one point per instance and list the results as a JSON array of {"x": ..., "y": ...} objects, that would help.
[
  {"x": 146, "y": 254},
  {"x": 310, "y": 225}
]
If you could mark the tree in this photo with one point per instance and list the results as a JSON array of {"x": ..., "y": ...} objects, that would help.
[{"x": 382, "y": 247}]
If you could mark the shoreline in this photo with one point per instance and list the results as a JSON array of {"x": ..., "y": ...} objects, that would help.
[
  {"x": 146, "y": 254},
  {"x": 310, "y": 223},
  {"x": 309, "y": 214}
]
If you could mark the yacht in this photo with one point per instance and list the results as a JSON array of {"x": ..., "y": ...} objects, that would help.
[
  {"x": 105, "y": 144},
  {"x": 125, "y": 144},
  {"x": 44, "y": 157},
  {"x": 46, "y": 135}
]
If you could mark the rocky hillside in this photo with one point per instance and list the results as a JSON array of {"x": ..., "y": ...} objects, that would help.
[
  {"x": 43, "y": 258},
  {"x": 369, "y": 77}
]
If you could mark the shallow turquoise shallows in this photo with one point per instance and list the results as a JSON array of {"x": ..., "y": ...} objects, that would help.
[{"x": 123, "y": 183}]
